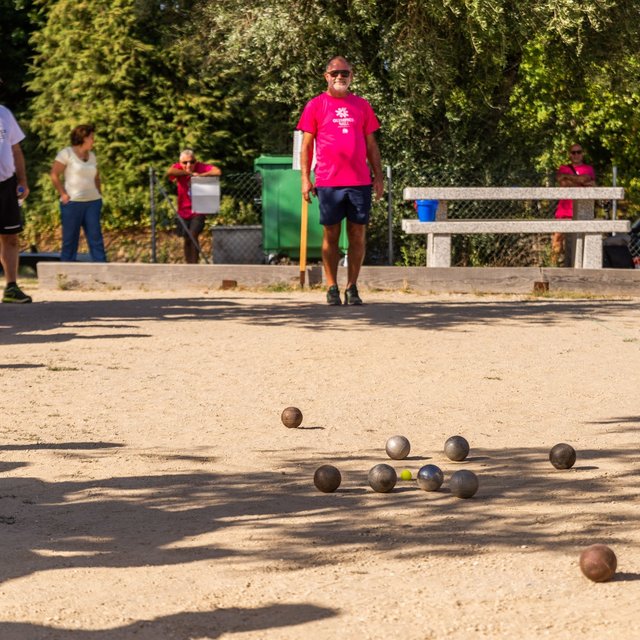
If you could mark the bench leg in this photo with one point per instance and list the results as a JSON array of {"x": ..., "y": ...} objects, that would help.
[
  {"x": 578, "y": 250},
  {"x": 441, "y": 254},
  {"x": 592, "y": 251},
  {"x": 439, "y": 246},
  {"x": 569, "y": 259}
]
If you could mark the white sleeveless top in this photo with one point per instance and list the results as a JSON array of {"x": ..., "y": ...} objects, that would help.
[{"x": 79, "y": 176}]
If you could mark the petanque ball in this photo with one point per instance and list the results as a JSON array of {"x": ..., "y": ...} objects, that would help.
[
  {"x": 464, "y": 483},
  {"x": 456, "y": 448},
  {"x": 327, "y": 478},
  {"x": 430, "y": 477},
  {"x": 382, "y": 478},
  {"x": 398, "y": 447},
  {"x": 562, "y": 456},
  {"x": 598, "y": 562},
  {"x": 291, "y": 417}
]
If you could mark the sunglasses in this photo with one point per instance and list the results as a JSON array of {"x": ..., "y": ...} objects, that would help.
[
  {"x": 188, "y": 162},
  {"x": 576, "y": 152},
  {"x": 343, "y": 73}
]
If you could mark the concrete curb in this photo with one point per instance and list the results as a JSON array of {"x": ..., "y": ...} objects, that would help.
[{"x": 517, "y": 280}]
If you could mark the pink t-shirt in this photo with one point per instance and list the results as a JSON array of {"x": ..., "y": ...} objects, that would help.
[
  {"x": 340, "y": 127},
  {"x": 565, "y": 207},
  {"x": 183, "y": 184}
]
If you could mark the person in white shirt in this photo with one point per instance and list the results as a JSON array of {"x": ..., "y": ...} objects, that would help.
[
  {"x": 13, "y": 190},
  {"x": 80, "y": 197}
]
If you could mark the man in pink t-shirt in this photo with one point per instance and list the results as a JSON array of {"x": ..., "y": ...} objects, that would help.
[
  {"x": 181, "y": 173},
  {"x": 342, "y": 126},
  {"x": 574, "y": 174}
]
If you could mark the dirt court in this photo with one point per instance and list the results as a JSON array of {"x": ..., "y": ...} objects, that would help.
[{"x": 148, "y": 489}]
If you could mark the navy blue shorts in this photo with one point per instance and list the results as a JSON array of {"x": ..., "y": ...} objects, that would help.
[
  {"x": 10, "y": 218},
  {"x": 338, "y": 203}
]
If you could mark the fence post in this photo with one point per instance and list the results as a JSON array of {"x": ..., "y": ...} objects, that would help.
[
  {"x": 152, "y": 204},
  {"x": 390, "y": 214},
  {"x": 614, "y": 207}
]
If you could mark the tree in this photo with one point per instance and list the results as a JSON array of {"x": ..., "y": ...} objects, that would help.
[
  {"x": 468, "y": 92},
  {"x": 441, "y": 75},
  {"x": 115, "y": 64},
  {"x": 15, "y": 29},
  {"x": 585, "y": 88}
]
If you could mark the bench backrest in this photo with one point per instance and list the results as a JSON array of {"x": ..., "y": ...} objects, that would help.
[{"x": 513, "y": 193}]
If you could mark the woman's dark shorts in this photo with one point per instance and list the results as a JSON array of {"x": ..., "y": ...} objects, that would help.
[
  {"x": 10, "y": 218},
  {"x": 338, "y": 203},
  {"x": 195, "y": 225}
]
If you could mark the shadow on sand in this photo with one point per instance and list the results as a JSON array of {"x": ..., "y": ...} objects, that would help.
[
  {"x": 181, "y": 626},
  {"x": 118, "y": 317}
]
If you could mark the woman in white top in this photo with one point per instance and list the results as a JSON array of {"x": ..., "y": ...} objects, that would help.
[{"x": 80, "y": 198}]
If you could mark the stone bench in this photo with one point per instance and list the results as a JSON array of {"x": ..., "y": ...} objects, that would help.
[{"x": 588, "y": 231}]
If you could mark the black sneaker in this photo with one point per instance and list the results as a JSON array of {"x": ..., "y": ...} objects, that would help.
[
  {"x": 333, "y": 295},
  {"x": 13, "y": 293},
  {"x": 351, "y": 295}
]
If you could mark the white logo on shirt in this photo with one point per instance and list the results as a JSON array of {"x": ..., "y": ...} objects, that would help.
[{"x": 343, "y": 120}]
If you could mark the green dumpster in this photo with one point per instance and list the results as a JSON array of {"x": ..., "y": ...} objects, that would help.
[{"x": 281, "y": 206}]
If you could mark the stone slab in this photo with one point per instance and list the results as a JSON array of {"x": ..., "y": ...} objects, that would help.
[
  {"x": 515, "y": 226},
  {"x": 178, "y": 277},
  {"x": 588, "y": 243},
  {"x": 513, "y": 193},
  {"x": 115, "y": 275},
  {"x": 448, "y": 280},
  {"x": 624, "y": 282}
]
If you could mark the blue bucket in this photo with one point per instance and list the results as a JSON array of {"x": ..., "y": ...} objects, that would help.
[{"x": 426, "y": 210}]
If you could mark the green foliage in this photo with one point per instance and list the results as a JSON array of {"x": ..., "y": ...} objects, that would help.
[
  {"x": 597, "y": 105},
  {"x": 413, "y": 253},
  {"x": 113, "y": 63},
  {"x": 443, "y": 77},
  {"x": 468, "y": 92},
  {"x": 487, "y": 91},
  {"x": 236, "y": 212},
  {"x": 15, "y": 29}
]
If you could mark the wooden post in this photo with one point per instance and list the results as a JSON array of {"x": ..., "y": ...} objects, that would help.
[{"x": 304, "y": 218}]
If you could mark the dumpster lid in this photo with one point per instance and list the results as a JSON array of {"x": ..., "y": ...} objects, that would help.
[{"x": 261, "y": 161}]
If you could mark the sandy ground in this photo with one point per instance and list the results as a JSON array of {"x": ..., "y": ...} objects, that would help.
[{"x": 148, "y": 489}]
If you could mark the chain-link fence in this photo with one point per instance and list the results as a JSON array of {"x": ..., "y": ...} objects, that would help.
[
  {"x": 499, "y": 249},
  {"x": 241, "y": 204},
  {"x": 241, "y": 195},
  {"x": 237, "y": 244},
  {"x": 634, "y": 243},
  {"x": 241, "y": 191}
]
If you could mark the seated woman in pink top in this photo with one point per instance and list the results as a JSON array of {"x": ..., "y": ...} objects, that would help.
[
  {"x": 574, "y": 174},
  {"x": 181, "y": 173}
]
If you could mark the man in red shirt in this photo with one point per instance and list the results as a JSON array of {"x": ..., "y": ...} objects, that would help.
[{"x": 181, "y": 173}]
